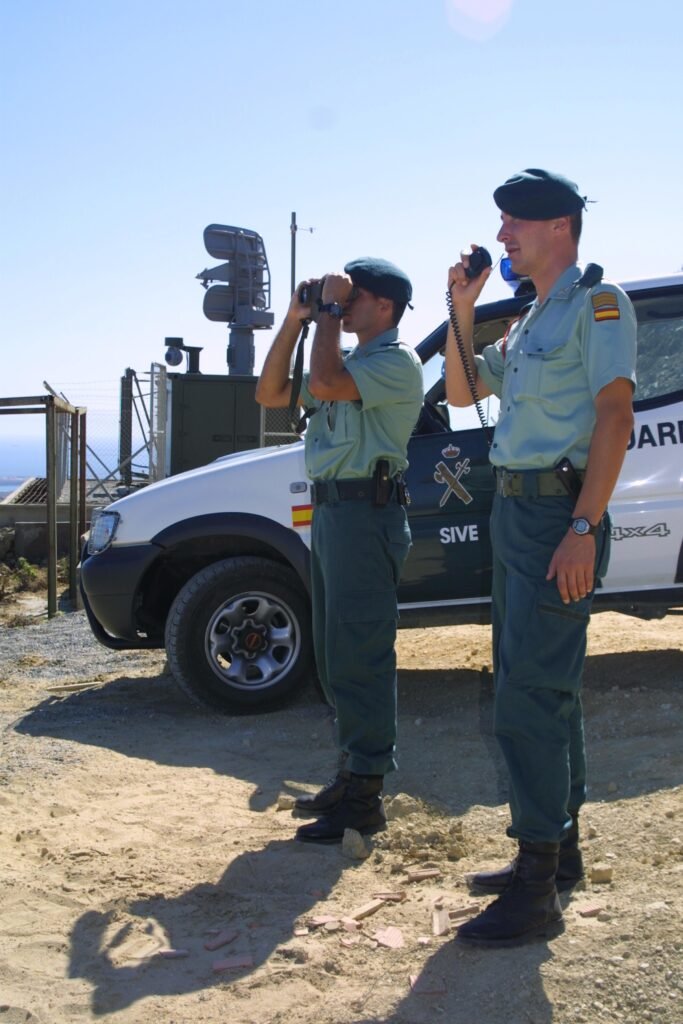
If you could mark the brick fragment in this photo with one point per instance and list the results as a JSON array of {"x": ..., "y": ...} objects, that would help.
[
  {"x": 467, "y": 911},
  {"x": 421, "y": 874},
  {"x": 321, "y": 920},
  {"x": 590, "y": 909},
  {"x": 440, "y": 922},
  {"x": 233, "y": 963},
  {"x": 392, "y": 896},
  {"x": 390, "y": 937},
  {"x": 222, "y": 939},
  {"x": 367, "y": 909}
]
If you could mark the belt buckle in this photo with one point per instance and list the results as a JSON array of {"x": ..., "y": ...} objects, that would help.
[{"x": 505, "y": 478}]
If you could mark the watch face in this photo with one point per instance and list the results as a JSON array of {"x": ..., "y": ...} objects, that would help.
[{"x": 581, "y": 526}]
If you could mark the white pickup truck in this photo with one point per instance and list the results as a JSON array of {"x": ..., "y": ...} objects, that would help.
[{"x": 213, "y": 563}]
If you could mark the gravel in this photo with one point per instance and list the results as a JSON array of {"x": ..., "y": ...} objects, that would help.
[{"x": 64, "y": 649}]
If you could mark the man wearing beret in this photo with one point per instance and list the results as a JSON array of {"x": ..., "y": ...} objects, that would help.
[
  {"x": 365, "y": 407},
  {"x": 564, "y": 373}
]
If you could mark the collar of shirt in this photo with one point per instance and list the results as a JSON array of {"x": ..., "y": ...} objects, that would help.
[
  {"x": 385, "y": 338},
  {"x": 564, "y": 286}
]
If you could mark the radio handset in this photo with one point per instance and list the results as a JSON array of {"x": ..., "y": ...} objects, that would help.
[{"x": 478, "y": 261}]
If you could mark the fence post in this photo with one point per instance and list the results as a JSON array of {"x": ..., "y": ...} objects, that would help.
[
  {"x": 73, "y": 509},
  {"x": 82, "y": 454},
  {"x": 126, "y": 428},
  {"x": 51, "y": 469}
]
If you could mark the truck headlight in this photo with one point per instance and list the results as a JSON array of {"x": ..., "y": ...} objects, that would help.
[{"x": 103, "y": 527}]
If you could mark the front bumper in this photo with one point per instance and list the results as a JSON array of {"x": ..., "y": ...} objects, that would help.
[{"x": 110, "y": 583}]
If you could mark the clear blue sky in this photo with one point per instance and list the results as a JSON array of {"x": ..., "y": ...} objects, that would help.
[{"x": 129, "y": 125}]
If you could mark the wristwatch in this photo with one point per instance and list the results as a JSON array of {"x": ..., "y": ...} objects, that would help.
[
  {"x": 582, "y": 527},
  {"x": 333, "y": 309}
]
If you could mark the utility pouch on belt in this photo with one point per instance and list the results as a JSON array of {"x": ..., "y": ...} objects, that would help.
[
  {"x": 402, "y": 495},
  {"x": 382, "y": 483}
]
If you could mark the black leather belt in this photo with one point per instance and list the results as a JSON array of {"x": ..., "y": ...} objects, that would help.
[
  {"x": 358, "y": 489},
  {"x": 530, "y": 483}
]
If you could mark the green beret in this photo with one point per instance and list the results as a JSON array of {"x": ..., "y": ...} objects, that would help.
[
  {"x": 381, "y": 278},
  {"x": 533, "y": 194}
]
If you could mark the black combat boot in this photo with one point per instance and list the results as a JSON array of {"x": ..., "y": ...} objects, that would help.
[
  {"x": 569, "y": 867},
  {"x": 329, "y": 796},
  {"x": 528, "y": 907},
  {"x": 360, "y": 808}
]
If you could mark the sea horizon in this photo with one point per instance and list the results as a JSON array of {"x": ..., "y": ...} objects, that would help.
[{"x": 23, "y": 457}]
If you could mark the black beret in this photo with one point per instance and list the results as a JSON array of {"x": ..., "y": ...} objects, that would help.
[
  {"x": 380, "y": 277},
  {"x": 534, "y": 194}
]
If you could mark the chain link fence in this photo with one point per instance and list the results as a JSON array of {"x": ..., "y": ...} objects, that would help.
[
  {"x": 276, "y": 427},
  {"x": 127, "y": 431},
  {"x": 125, "y": 446}
]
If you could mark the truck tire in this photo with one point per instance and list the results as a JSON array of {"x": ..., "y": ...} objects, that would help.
[{"x": 238, "y": 635}]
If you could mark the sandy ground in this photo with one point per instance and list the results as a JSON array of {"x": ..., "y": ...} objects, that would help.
[{"x": 133, "y": 824}]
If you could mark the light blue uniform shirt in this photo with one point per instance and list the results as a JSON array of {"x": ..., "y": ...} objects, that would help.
[
  {"x": 344, "y": 440},
  {"x": 551, "y": 365}
]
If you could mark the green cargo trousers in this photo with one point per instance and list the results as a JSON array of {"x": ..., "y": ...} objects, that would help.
[
  {"x": 357, "y": 553},
  {"x": 539, "y": 646}
]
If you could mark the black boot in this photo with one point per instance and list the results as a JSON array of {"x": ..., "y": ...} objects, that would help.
[
  {"x": 329, "y": 796},
  {"x": 529, "y": 906},
  {"x": 569, "y": 867},
  {"x": 360, "y": 808}
]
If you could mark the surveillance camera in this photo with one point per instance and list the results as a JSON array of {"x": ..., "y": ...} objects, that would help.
[{"x": 174, "y": 356}]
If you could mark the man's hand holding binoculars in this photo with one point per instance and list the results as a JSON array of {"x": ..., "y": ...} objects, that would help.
[
  {"x": 300, "y": 303},
  {"x": 337, "y": 288}
]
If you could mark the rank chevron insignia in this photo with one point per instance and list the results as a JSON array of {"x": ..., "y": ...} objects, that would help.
[{"x": 605, "y": 306}]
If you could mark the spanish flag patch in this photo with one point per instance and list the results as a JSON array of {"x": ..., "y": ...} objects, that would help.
[
  {"x": 605, "y": 306},
  {"x": 302, "y": 515}
]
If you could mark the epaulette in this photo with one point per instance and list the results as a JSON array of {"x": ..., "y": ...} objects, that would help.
[{"x": 591, "y": 276}]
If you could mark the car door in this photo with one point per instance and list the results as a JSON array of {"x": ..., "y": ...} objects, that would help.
[
  {"x": 647, "y": 505},
  {"x": 451, "y": 489}
]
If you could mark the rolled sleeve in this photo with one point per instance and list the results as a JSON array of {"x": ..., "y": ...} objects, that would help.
[
  {"x": 305, "y": 397},
  {"x": 610, "y": 337},
  {"x": 384, "y": 375}
]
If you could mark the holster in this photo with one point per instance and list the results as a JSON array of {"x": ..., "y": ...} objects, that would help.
[
  {"x": 387, "y": 488},
  {"x": 382, "y": 484}
]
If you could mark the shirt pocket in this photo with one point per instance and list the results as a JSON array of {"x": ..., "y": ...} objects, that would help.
[
  {"x": 342, "y": 422},
  {"x": 540, "y": 358}
]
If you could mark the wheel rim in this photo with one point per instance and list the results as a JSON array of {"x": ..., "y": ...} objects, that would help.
[{"x": 252, "y": 641}]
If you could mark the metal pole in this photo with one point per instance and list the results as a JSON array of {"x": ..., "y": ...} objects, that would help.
[
  {"x": 293, "y": 229},
  {"x": 126, "y": 427},
  {"x": 51, "y": 469},
  {"x": 82, "y": 472},
  {"x": 73, "y": 510}
]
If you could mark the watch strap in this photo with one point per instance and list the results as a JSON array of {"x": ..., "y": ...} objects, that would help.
[
  {"x": 333, "y": 309},
  {"x": 590, "y": 532}
]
